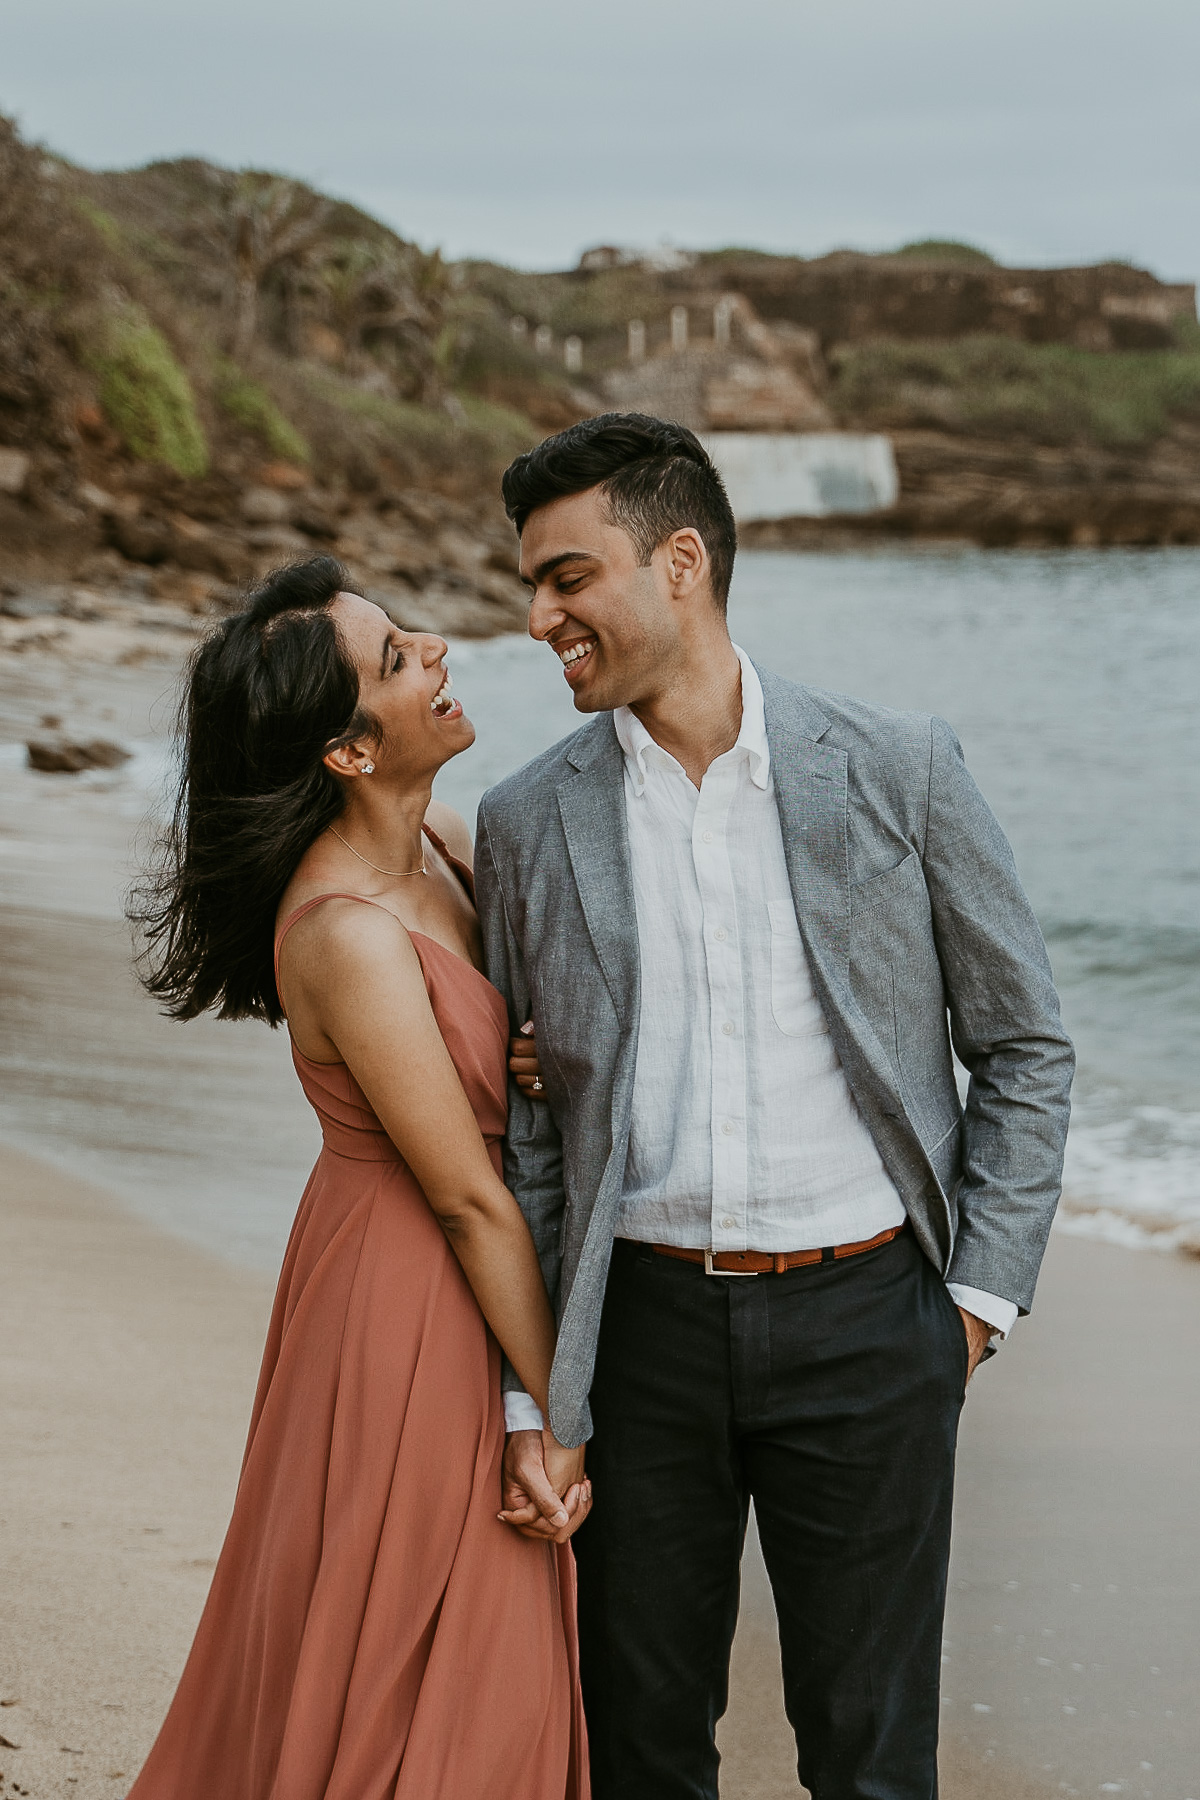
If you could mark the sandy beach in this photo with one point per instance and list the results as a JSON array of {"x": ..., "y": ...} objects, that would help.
[
  {"x": 126, "y": 1374},
  {"x": 127, "y": 1369}
]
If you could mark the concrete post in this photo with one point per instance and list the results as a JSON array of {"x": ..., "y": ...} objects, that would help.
[
  {"x": 679, "y": 329},
  {"x": 722, "y": 320},
  {"x": 573, "y": 354},
  {"x": 637, "y": 341},
  {"x": 543, "y": 340}
]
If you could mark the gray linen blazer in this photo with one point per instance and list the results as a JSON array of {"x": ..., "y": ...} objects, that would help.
[{"x": 919, "y": 936}]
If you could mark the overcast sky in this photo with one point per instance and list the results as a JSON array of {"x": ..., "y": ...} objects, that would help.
[{"x": 1044, "y": 130}]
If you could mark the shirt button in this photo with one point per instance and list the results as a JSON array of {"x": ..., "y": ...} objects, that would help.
[
  {"x": 727, "y": 1028},
  {"x": 706, "y": 837},
  {"x": 727, "y": 1129},
  {"x": 720, "y": 934},
  {"x": 728, "y": 1224}
]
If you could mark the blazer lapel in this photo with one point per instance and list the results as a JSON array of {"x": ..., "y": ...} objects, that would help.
[
  {"x": 591, "y": 803},
  {"x": 810, "y": 791}
]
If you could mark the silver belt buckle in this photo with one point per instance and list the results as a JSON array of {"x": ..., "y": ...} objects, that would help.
[{"x": 728, "y": 1274}]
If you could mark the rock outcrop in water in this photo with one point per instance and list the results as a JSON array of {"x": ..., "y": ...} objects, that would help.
[{"x": 998, "y": 493}]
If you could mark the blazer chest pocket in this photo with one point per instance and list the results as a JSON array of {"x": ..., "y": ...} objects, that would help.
[
  {"x": 898, "y": 884},
  {"x": 794, "y": 1006}
]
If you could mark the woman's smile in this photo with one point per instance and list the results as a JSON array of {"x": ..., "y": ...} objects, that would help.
[{"x": 442, "y": 706}]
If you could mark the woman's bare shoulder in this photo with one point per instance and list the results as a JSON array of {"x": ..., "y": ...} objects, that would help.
[
  {"x": 346, "y": 928},
  {"x": 349, "y": 967}
]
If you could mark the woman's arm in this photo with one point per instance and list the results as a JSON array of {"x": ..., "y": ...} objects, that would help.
[{"x": 352, "y": 971}]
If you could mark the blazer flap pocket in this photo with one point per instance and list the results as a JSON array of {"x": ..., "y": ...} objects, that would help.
[{"x": 906, "y": 877}]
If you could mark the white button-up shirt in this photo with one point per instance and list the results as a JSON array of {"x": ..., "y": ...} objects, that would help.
[{"x": 744, "y": 1133}]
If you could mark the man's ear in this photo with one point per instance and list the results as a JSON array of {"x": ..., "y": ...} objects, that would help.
[{"x": 687, "y": 562}]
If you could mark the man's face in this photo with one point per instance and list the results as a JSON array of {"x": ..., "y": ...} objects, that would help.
[{"x": 610, "y": 622}]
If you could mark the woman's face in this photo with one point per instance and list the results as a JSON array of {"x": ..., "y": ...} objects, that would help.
[{"x": 402, "y": 682}]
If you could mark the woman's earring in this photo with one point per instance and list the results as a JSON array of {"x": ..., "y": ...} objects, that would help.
[{"x": 368, "y": 768}]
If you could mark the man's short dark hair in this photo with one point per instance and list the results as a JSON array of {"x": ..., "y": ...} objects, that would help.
[{"x": 656, "y": 478}]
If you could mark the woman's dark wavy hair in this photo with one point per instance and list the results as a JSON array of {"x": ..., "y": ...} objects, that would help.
[{"x": 266, "y": 696}]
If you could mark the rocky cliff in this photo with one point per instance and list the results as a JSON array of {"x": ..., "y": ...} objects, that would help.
[{"x": 204, "y": 372}]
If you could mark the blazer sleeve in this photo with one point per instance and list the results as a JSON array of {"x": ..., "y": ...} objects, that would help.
[
  {"x": 532, "y": 1144},
  {"x": 1006, "y": 1030}
]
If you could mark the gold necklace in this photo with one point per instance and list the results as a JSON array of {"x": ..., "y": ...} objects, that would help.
[{"x": 378, "y": 870}]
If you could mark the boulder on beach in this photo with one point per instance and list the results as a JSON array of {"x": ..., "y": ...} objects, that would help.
[{"x": 57, "y": 754}]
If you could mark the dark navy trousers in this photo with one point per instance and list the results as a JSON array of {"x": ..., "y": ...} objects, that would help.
[{"x": 830, "y": 1396}]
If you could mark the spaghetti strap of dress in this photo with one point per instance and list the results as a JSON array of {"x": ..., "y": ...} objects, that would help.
[
  {"x": 463, "y": 870},
  {"x": 317, "y": 900}
]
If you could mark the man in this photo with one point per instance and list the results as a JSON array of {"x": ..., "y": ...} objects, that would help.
[{"x": 749, "y": 921}]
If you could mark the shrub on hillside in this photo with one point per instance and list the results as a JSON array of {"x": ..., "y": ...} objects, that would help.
[
  {"x": 944, "y": 250},
  {"x": 1001, "y": 387},
  {"x": 250, "y": 405},
  {"x": 457, "y": 446},
  {"x": 146, "y": 396}
]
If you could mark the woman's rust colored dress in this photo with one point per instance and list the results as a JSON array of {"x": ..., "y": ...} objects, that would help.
[{"x": 373, "y": 1630}]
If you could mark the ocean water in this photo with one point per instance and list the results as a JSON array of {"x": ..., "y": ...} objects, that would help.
[{"x": 1072, "y": 678}]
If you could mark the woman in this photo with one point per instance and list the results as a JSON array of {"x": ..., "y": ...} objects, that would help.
[{"x": 374, "y": 1627}]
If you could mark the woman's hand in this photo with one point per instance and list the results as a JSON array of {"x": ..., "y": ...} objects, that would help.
[
  {"x": 523, "y": 1062},
  {"x": 546, "y": 1493}
]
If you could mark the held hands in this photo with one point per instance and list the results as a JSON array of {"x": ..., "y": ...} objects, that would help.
[
  {"x": 979, "y": 1334},
  {"x": 523, "y": 1062},
  {"x": 546, "y": 1494}
]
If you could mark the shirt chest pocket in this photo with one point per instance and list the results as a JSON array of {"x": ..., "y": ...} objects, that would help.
[{"x": 794, "y": 1006}]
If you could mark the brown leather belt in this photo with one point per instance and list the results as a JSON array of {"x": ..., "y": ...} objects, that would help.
[{"x": 772, "y": 1262}]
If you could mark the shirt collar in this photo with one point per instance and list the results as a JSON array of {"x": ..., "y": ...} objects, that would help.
[{"x": 642, "y": 752}]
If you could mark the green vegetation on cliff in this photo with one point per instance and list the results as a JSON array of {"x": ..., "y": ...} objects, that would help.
[
  {"x": 249, "y": 404},
  {"x": 944, "y": 250},
  {"x": 1002, "y": 388},
  {"x": 146, "y": 395},
  {"x": 192, "y": 320}
]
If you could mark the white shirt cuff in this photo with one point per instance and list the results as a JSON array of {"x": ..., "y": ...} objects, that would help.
[
  {"x": 1001, "y": 1315},
  {"x": 522, "y": 1413}
]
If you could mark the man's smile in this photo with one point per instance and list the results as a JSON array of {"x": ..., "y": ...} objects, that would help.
[{"x": 575, "y": 655}]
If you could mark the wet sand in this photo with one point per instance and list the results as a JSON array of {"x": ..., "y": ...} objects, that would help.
[
  {"x": 202, "y": 1129},
  {"x": 127, "y": 1367}
]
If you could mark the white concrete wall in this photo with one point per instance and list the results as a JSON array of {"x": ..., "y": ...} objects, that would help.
[{"x": 804, "y": 475}]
